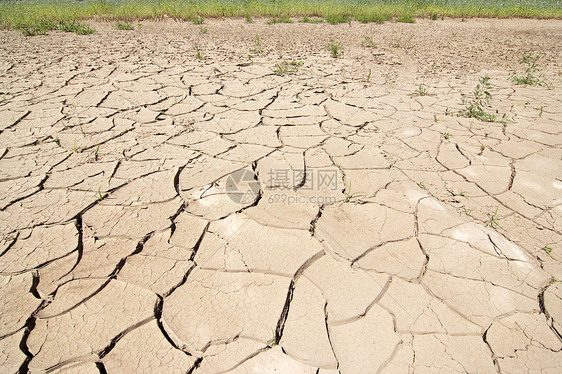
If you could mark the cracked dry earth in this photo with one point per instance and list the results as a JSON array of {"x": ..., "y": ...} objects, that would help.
[{"x": 439, "y": 250}]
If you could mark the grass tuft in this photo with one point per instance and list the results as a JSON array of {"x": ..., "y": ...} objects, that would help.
[
  {"x": 284, "y": 19},
  {"x": 334, "y": 19},
  {"x": 123, "y": 26},
  {"x": 335, "y": 49},
  {"x": 406, "y": 18}
]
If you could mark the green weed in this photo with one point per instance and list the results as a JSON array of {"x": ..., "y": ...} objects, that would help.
[
  {"x": 493, "y": 219},
  {"x": 446, "y": 136},
  {"x": 368, "y": 42},
  {"x": 475, "y": 105},
  {"x": 335, "y": 49},
  {"x": 75, "y": 27},
  {"x": 375, "y": 17},
  {"x": 123, "y": 26},
  {"x": 422, "y": 91},
  {"x": 285, "y": 19},
  {"x": 529, "y": 78},
  {"x": 285, "y": 67},
  {"x": 198, "y": 52},
  {"x": 197, "y": 20},
  {"x": 334, "y": 19},
  {"x": 314, "y": 20},
  {"x": 406, "y": 18},
  {"x": 548, "y": 251},
  {"x": 258, "y": 48},
  {"x": 248, "y": 18}
]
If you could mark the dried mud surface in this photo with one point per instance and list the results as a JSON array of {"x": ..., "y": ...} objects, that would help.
[{"x": 382, "y": 235}]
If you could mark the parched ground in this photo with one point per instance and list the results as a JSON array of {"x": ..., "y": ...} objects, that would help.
[{"x": 170, "y": 204}]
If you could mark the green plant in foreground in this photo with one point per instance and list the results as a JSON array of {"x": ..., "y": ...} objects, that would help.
[
  {"x": 198, "y": 52},
  {"x": 529, "y": 78},
  {"x": 123, "y": 26},
  {"x": 335, "y": 49},
  {"x": 476, "y": 104},
  {"x": 285, "y": 19},
  {"x": 493, "y": 219},
  {"x": 446, "y": 136},
  {"x": 305, "y": 19},
  {"x": 287, "y": 67},
  {"x": 349, "y": 195},
  {"x": 422, "y": 91},
  {"x": 368, "y": 42},
  {"x": 75, "y": 27},
  {"x": 198, "y": 20},
  {"x": 334, "y": 19},
  {"x": 258, "y": 48},
  {"x": 248, "y": 18},
  {"x": 99, "y": 195},
  {"x": 406, "y": 18},
  {"x": 548, "y": 251}
]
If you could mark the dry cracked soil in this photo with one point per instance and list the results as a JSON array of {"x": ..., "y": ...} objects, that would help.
[{"x": 231, "y": 198}]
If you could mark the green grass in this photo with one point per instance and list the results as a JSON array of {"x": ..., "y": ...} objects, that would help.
[
  {"x": 285, "y": 19},
  {"x": 335, "y": 49},
  {"x": 37, "y": 16},
  {"x": 334, "y": 19},
  {"x": 405, "y": 18},
  {"x": 123, "y": 26}
]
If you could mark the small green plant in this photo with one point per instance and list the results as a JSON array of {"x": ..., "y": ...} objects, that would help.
[
  {"x": 203, "y": 30},
  {"x": 99, "y": 195},
  {"x": 197, "y": 20},
  {"x": 285, "y": 67},
  {"x": 405, "y": 18},
  {"x": 368, "y": 42},
  {"x": 305, "y": 19},
  {"x": 548, "y": 251},
  {"x": 422, "y": 185},
  {"x": 334, "y": 19},
  {"x": 373, "y": 17},
  {"x": 96, "y": 153},
  {"x": 462, "y": 193},
  {"x": 335, "y": 49},
  {"x": 198, "y": 52},
  {"x": 284, "y": 19},
  {"x": 75, "y": 27},
  {"x": 57, "y": 142},
  {"x": 434, "y": 16},
  {"x": 123, "y": 26},
  {"x": 446, "y": 136},
  {"x": 422, "y": 91},
  {"x": 248, "y": 18},
  {"x": 258, "y": 48},
  {"x": 476, "y": 104},
  {"x": 529, "y": 78},
  {"x": 493, "y": 219},
  {"x": 349, "y": 195}
]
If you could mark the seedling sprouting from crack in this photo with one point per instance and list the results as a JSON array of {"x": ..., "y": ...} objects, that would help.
[
  {"x": 446, "y": 136},
  {"x": 96, "y": 153},
  {"x": 123, "y": 26},
  {"x": 368, "y": 42},
  {"x": 349, "y": 195},
  {"x": 493, "y": 219},
  {"x": 529, "y": 78},
  {"x": 258, "y": 48},
  {"x": 99, "y": 195},
  {"x": 335, "y": 48},
  {"x": 462, "y": 193},
  {"x": 421, "y": 91},
  {"x": 422, "y": 185},
  {"x": 548, "y": 251},
  {"x": 203, "y": 30},
  {"x": 198, "y": 52},
  {"x": 285, "y": 67},
  {"x": 57, "y": 142},
  {"x": 467, "y": 212},
  {"x": 476, "y": 104}
]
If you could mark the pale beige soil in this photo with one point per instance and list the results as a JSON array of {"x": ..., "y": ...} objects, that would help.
[{"x": 437, "y": 249}]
